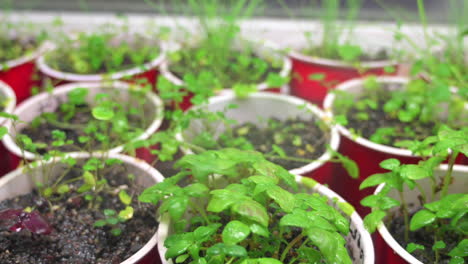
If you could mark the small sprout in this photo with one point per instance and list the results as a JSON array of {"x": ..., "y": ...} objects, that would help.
[{"x": 124, "y": 197}]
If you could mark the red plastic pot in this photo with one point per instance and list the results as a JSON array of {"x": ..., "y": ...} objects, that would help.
[
  {"x": 6, "y": 91},
  {"x": 48, "y": 102},
  {"x": 20, "y": 182},
  {"x": 387, "y": 249},
  {"x": 263, "y": 48},
  {"x": 364, "y": 152},
  {"x": 334, "y": 72},
  {"x": 146, "y": 73},
  {"x": 19, "y": 73},
  {"x": 270, "y": 105}
]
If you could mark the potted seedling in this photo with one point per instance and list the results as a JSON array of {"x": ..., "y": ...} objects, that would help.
[
  {"x": 20, "y": 45},
  {"x": 84, "y": 117},
  {"x": 420, "y": 210},
  {"x": 218, "y": 58},
  {"x": 107, "y": 54},
  {"x": 240, "y": 208},
  {"x": 333, "y": 54},
  {"x": 287, "y": 130},
  {"x": 447, "y": 60},
  {"x": 7, "y": 105},
  {"x": 78, "y": 208},
  {"x": 376, "y": 116}
]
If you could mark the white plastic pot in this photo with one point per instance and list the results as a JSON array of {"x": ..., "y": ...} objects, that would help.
[
  {"x": 6, "y": 91},
  {"x": 359, "y": 241},
  {"x": 262, "y": 49},
  {"x": 74, "y": 77},
  {"x": 364, "y": 152},
  {"x": 49, "y": 102},
  {"x": 356, "y": 86},
  {"x": 460, "y": 185},
  {"x": 267, "y": 105},
  {"x": 22, "y": 181}
]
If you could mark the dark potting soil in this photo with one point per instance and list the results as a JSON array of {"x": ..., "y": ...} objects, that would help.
[
  {"x": 296, "y": 137},
  {"x": 397, "y": 229},
  {"x": 74, "y": 239},
  {"x": 365, "y": 57},
  {"x": 227, "y": 73},
  {"x": 75, "y": 128},
  {"x": 378, "y": 118}
]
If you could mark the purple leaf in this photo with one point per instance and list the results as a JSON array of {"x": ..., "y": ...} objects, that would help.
[
  {"x": 35, "y": 223},
  {"x": 17, "y": 220}
]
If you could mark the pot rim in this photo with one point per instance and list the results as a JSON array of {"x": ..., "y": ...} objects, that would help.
[
  {"x": 140, "y": 164},
  {"x": 387, "y": 236},
  {"x": 76, "y": 77},
  {"x": 366, "y": 240},
  {"x": 328, "y": 107},
  {"x": 41, "y": 49},
  {"x": 8, "y": 92},
  {"x": 65, "y": 88},
  {"x": 340, "y": 63},
  {"x": 334, "y": 140},
  {"x": 265, "y": 44}
]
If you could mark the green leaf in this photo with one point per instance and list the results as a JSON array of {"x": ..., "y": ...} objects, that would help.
[
  {"x": 390, "y": 164},
  {"x": 102, "y": 113},
  {"x": 89, "y": 178},
  {"x": 373, "y": 220},
  {"x": 380, "y": 202},
  {"x": 116, "y": 231},
  {"x": 109, "y": 212},
  {"x": 411, "y": 247},
  {"x": 124, "y": 197},
  {"x": 297, "y": 219},
  {"x": 176, "y": 206},
  {"x": 196, "y": 190},
  {"x": 62, "y": 189},
  {"x": 127, "y": 213},
  {"x": 177, "y": 245},
  {"x": 261, "y": 261},
  {"x": 259, "y": 230},
  {"x": 230, "y": 250},
  {"x": 112, "y": 221},
  {"x": 235, "y": 232},
  {"x": 284, "y": 198},
  {"x": 182, "y": 258},
  {"x": 421, "y": 219},
  {"x": 461, "y": 250},
  {"x": 331, "y": 245},
  {"x": 374, "y": 180},
  {"x": 100, "y": 223},
  {"x": 438, "y": 245},
  {"x": 414, "y": 172},
  {"x": 252, "y": 210},
  {"x": 202, "y": 233}
]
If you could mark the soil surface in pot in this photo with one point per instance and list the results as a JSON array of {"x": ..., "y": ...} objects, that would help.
[
  {"x": 396, "y": 227},
  {"x": 378, "y": 119},
  {"x": 15, "y": 47},
  {"x": 381, "y": 55},
  {"x": 74, "y": 238},
  {"x": 235, "y": 71},
  {"x": 41, "y": 130},
  {"x": 283, "y": 142}
]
